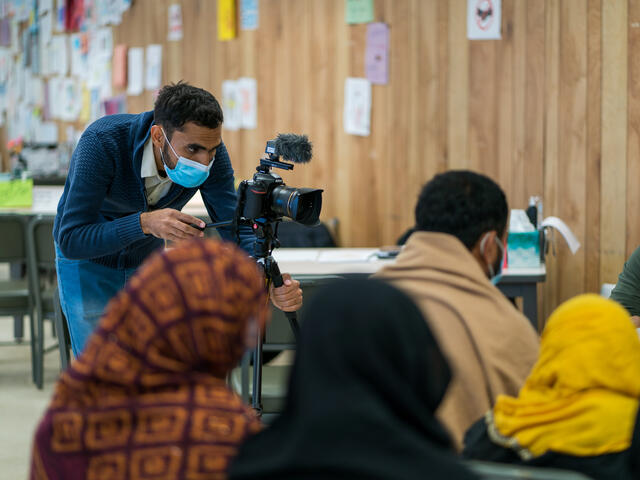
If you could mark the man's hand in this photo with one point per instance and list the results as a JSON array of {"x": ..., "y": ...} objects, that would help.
[
  {"x": 288, "y": 297},
  {"x": 636, "y": 321},
  {"x": 170, "y": 224}
]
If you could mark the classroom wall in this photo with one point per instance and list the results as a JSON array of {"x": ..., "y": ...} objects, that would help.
[{"x": 552, "y": 109}]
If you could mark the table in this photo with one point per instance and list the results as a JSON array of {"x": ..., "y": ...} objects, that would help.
[
  {"x": 301, "y": 262},
  {"x": 46, "y": 198}
]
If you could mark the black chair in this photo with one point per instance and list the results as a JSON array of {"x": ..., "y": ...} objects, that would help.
[
  {"x": 64, "y": 339},
  {"x": 42, "y": 271},
  {"x": 295, "y": 235},
  {"x": 15, "y": 297}
]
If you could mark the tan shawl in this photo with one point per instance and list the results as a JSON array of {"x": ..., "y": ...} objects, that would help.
[{"x": 490, "y": 345}]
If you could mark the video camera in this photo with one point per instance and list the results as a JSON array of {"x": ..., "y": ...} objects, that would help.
[
  {"x": 266, "y": 198},
  {"x": 263, "y": 202}
]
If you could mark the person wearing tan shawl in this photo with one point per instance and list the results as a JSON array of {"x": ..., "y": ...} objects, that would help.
[
  {"x": 147, "y": 398},
  {"x": 446, "y": 266}
]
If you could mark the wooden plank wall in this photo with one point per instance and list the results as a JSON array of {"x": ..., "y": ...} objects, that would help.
[{"x": 552, "y": 109}]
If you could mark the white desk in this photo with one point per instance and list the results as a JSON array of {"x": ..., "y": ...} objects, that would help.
[
  {"x": 45, "y": 202},
  {"x": 46, "y": 198},
  {"x": 329, "y": 261},
  {"x": 301, "y": 262}
]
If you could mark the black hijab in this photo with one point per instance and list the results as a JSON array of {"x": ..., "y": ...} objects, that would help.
[{"x": 366, "y": 382}]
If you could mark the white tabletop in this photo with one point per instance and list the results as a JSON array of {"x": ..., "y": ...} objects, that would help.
[
  {"x": 328, "y": 261},
  {"x": 45, "y": 202},
  {"x": 46, "y": 198},
  {"x": 336, "y": 261}
]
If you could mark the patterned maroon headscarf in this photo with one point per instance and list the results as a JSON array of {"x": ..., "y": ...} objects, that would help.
[{"x": 147, "y": 398}]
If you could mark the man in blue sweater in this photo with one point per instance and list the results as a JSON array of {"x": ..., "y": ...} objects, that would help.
[{"x": 129, "y": 177}]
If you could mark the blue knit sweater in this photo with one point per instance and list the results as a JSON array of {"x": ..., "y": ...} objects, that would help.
[{"x": 99, "y": 212}]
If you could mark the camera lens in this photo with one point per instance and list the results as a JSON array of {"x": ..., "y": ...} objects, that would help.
[{"x": 300, "y": 204}]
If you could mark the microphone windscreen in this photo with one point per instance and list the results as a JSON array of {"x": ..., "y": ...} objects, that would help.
[{"x": 294, "y": 148}]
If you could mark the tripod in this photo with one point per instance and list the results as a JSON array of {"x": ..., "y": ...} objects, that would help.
[{"x": 266, "y": 241}]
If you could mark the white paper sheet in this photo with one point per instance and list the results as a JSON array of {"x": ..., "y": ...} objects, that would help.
[
  {"x": 564, "y": 230},
  {"x": 47, "y": 132},
  {"x": 45, "y": 6},
  {"x": 483, "y": 19},
  {"x": 71, "y": 103},
  {"x": 231, "y": 105},
  {"x": 101, "y": 48},
  {"x": 357, "y": 106},
  {"x": 5, "y": 64},
  {"x": 58, "y": 19},
  {"x": 153, "y": 76},
  {"x": 135, "y": 71},
  {"x": 175, "y": 22},
  {"x": 59, "y": 55},
  {"x": 125, "y": 5},
  {"x": 36, "y": 92},
  {"x": 108, "y": 12},
  {"x": 21, "y": 78},
  {"x": 79, "y": 57},
  {"x": 102, "y": 42},
  {"x": 248, "y": 102},
  {"x": 45, "y": 29},
  {"x": 54, "y": 88}
]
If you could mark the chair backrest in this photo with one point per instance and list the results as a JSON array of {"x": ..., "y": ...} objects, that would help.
[
  {"x": 13, "y": 238},
  {"x": 41, "y": 255},
  {"x": 295, "y": 235},
  {"x": 41, "y": 236},
  {"x": 498, "y": 471}
]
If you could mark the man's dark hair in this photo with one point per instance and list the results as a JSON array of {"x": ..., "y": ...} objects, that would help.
[
  {"x": 463, "y": 204},
  {"x": 179, "y": 103}
]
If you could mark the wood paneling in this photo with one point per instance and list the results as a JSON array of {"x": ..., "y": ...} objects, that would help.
[
  {"x": 614, "y": 138},
  {"x": 551, "y": 109}
]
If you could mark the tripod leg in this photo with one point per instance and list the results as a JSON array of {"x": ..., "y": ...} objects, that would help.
[
  {"x": 293, "y": 322},
  {"x": 256, "y": 397}
]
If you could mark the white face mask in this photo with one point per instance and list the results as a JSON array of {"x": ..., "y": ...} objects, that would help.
[{"x": 495, "y": 271}]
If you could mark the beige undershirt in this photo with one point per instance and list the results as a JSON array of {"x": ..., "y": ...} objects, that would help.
[{"x": 155, "y": 186}]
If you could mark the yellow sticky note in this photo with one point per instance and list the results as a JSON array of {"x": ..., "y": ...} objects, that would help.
[
  {"x": 85, "y": 113},
  {"x": 16, "y": 193},
  {"x": 226, "y": 19}
]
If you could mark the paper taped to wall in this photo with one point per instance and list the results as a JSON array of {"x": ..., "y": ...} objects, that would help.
[{"x": 564, "y": 230}]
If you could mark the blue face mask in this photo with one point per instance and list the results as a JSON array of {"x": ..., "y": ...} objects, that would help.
[
  {"x": 187, "y": 173},
  {"x": 495, "y": 272}
]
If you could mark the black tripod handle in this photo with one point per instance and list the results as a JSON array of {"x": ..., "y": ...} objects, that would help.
[{"x": 277, "y": 280}]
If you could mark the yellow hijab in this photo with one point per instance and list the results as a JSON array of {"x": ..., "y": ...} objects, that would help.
[{"x": 581, "y": 398}]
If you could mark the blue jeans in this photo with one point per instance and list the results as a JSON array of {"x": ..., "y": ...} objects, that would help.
[{"x": 85, "y": 289}]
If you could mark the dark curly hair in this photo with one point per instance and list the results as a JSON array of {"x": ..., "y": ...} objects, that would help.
[
  {"x": 179, "y": 103},
  {"x": 463, "y": 204}
]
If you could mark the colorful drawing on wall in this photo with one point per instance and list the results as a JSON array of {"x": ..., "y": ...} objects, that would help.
[
  {"x": 359, "y": 11},
  {"x": 249, "y": 14},
  {"x": 226, "y": 19},
  {"x": 357, "y": 106},
  {"x": 483, "y": 19},
  {"x": 175, "y": 22},
  {"x": 377, "y": 53}
]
